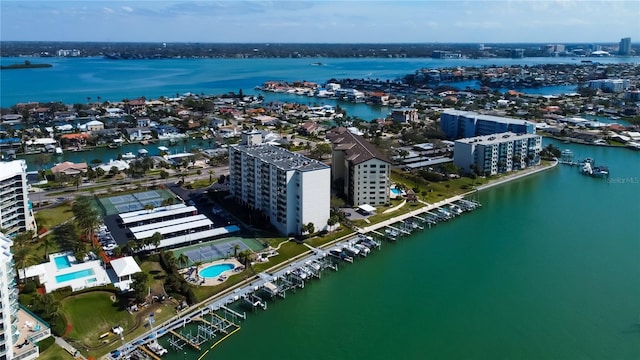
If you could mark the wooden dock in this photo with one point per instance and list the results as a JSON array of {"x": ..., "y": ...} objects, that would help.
[
  {"x": 150, "y": 353},
  {"x": 179, "y": 336}
]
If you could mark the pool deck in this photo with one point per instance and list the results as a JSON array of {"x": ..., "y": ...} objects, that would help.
[
  {"x": 190, "y": 274},
  {"x": 47, "y": 272}
]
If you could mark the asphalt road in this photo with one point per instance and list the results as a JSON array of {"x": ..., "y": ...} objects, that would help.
[{"x": 68, "y": 193}]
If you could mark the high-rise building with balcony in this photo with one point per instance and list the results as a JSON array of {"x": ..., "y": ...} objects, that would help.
[
  {"x": 19, "y": 329},
  {"x": 290, "y": 189},
  {"x": 497, "y": 153},
  {"x": 458, "y": 124},
  {"x": 16, "y": 214}
]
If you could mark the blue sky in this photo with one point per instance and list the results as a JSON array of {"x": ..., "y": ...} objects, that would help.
[{"x": 473, "y": 21}]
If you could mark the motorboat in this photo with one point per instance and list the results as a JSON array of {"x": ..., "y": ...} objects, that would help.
[{"x": 156, "y": 348}]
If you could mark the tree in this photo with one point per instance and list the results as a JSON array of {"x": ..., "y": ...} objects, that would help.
[
  {"x": 77, "y": 180},
  {"x": 22, "y": 259},
  {"x": 139, "y": 285},
  {"x": 236, "y": 247},
  {"x": 210, "y": 175},
  {"x": 332, "y": 221},
  {"x": 155, "y": 239},
  {"x": 46, "y": 242},
  {"x": 182, "y": 260}
]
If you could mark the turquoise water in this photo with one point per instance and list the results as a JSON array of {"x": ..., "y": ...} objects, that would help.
[
  {"x": 215, "y": 270},
  {"x": 548, "y": 268},
  {"x": 74, "y": 275},
  {"x": 73, "y": 80},
  {"x": 396, "y": 191},
  {"x": 62, "y": 262}
]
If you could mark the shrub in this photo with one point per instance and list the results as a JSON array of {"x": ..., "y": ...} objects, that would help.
[
  {"x": 46, "y": 343},
  {"x": 29, "y": 287}
]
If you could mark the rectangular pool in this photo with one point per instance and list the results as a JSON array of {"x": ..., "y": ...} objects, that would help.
[
  {"x": 62, "y": 262},
  {"x": 74, "y": 275}
]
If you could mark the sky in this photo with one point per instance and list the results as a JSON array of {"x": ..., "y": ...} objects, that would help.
[{"x": 321, "y": 21}]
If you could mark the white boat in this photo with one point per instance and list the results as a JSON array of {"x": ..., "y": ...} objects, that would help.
[
  {"x": 157, "y": 348},
  {"x": 128, "y": 156},
  {"x": 58, "y": 150}
]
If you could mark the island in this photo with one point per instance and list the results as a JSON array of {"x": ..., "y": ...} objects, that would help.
[{"x": 26, "y": 65}]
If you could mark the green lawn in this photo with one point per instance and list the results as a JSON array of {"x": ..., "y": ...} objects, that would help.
[
  {"x": 53, "y": 216},
  {"x": 285, "y": 252},
  {"x": 55, "y": 352},
  {"x": 92, "y": 314}
]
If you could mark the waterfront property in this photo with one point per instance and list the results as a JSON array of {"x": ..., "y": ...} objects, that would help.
[
  {"x": 16, "y": 214},
  {"x": 498, "y": 153},
  {"x": 289, "y": 188},
  {"x": 20, "y": 330},
  {"x": 64, "y": 270},
  {"x": 361, "y": 168},
  {"x": 458, "y": 124}
]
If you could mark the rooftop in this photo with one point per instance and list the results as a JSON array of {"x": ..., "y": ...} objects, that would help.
[
  {"x": 496, "y": 138},
  {"x": 281, "y": 158},
  {"x": 356, "y": 148},
  {"x": 485, "y": 117}
]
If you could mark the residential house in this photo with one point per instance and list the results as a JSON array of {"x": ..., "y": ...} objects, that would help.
[
  {"x": 138, "y": 133},
  {"x": 69, "y": 169},
  {"x": 94, "y": 125},
  {"x": 404, "y": 115},
  {"x": 308, "y": 128}
]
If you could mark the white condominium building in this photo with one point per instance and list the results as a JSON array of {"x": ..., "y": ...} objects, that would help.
[
  {"x": 19, "y": 330},
  {"x": 8, "y": 299},
  {"x": 497, "y": 153},
  {"x": 291, "y": 189},
  {"x": 360, "y": 167},
  {"x": 16, "y": 214}
]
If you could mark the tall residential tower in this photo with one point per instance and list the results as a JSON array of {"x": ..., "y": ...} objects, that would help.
[{"x": 16, "y": 214}]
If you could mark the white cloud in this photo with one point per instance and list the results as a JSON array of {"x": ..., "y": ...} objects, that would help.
[
  {"x": 127, "y": 9},
  {"x": 108, "y": 10}
]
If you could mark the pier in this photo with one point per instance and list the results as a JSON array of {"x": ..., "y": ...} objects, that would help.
[{"x": 214, "y": 317}]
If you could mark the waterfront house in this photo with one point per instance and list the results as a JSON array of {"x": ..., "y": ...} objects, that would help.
[
  {"x": 404, "y": 115},
  {"x": 143, "y": 122},
  {"x": 138, "y": 133},
  {"x": 123, "y": 269},
  {"x": 68, "y": 169},
  {"x": 230, "y": 131}
]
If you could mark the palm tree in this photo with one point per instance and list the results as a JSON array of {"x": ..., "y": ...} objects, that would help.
[
  {"x": 210, "y": 175},
  {"x": 22, "y": 259},
  {"x": 182, "y": 260},
  {"x": 236, "y": 247},
  {"x": 155, "y": 239},
  {"x": 77, "y": 180},
  {"x": 46, "y": 242}
]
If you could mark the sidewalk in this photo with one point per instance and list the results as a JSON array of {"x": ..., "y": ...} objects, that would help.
[{"x": 70, "y": 349}]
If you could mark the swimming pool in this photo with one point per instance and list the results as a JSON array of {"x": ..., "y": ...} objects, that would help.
[
  {"x": 215, "y": 270},
  {"x": 395, "y": 191},
  {"x": 62, "y": 262},
  {"x": 74, "y": 275}
]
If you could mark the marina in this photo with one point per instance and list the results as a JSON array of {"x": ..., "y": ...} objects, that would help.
[{"x": 221, "y": 317}]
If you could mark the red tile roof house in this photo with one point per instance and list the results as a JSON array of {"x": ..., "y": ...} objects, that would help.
[
  {"x": 308, "y": 128},
  {"x": 69, "y": 168}
]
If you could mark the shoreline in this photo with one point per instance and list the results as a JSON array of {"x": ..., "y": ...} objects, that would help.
[{"x": 313, "y": 252}]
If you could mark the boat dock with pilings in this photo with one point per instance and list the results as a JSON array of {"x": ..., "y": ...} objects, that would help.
[
  {"x": 218, "y": 319},
  {"x": 420, "y": 219}
]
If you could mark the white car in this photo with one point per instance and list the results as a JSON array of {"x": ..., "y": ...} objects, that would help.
[{"x": 110, "y": 247}]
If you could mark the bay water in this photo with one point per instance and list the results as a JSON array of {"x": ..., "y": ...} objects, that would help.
[{"x": 548, "y": 268}]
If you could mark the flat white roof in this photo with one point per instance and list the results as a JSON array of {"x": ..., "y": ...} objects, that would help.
[
  {"x": 367, "y": 208},
  {"x": 196, "y": 236},
  {"x": 172, "y": 229},
  {"x": 159, "y": 214},
  {"x": 125, "y": 266},
  {"x": 157, "y": 225},
  {"x": 142, "y": 212}
]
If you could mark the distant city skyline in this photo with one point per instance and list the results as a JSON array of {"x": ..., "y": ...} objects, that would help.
[{"x": 356, "y": 21}]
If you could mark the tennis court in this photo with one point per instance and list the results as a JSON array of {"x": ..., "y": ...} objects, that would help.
[
  {"x": 217, "y": 249},
  {"x": 133, "y": 202}
]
